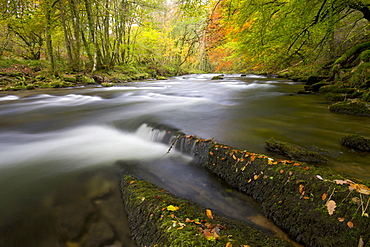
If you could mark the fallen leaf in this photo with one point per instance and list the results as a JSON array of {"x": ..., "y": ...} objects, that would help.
[
  {"x": 323, "y": 197},
  {"x": 319, "y": 177},
  {"x": 189, "y": 220},
  {"x": 356, "y": 200},
  {"x": 305, "y": 168},
  {"x": 350, "y": 224},
  {"x": 281, "y": 171},
  {"x": 301, "y": 189},
  {"x": 296, "y": 164},
  {"x": 290, "y": 173},
  {"x": 228, "y": 244},
  {"x": 339, "y": 181},
  {"x": 172, "y": 216},
  {"x": 306, "y": 197},
  {"x": 132, "y": 181},
  {"x": 172, "y": 208},
  {"x": 234, "y": 157},
  {"x": 210, "y": 153},
  {"x": 331, "y": 205},
  {"x": 209, "y": 213},
  {"x": 341, "y": 219},
  {"x": 256, "y": 177}
]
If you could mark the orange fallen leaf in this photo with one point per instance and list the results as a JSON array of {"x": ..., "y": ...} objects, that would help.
[
  {"x": 281, "y": 171},
  {"x": 256, "y": 177},
  {"x": 350, "y": 224},
  {"x": 296, "y": 164},
  {"x": 132, "y": 181},
  {"x": 341, "y": 219},
  {"x": 306, "y": 197},
  {"x": 331, "y": 205},
  {"x": 253, "y": 158},
  {"x": 305, "y": 168},
  {"x": 234, "y": 157},
  {"x": 323, "y": 197},
  {"x": 290, "y": 173},
  {"x": 209, "y": 213},
  {"x": 210, "y": 153},
  {"x": 172, "y": 216},
  {"x": 189, "y": 220},
  {"x": 228, "y": 244},
  {"x": 301, "y": 189}
]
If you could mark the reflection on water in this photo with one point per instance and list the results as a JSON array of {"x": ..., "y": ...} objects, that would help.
[{"x": 62, "y": 150}]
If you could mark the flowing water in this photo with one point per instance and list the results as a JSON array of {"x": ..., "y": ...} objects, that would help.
[{"x": 63, "y": 151}]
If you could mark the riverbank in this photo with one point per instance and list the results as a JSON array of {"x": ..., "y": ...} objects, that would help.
[{"x": 28, "y": 75}]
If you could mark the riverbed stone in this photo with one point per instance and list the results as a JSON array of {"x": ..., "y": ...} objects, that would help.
[
  {"x": 295, "y": 195},
  {"x": 295, "y": 152},
  {"x": 159, "y": 218},
  {"x": 356, "y": 142}
]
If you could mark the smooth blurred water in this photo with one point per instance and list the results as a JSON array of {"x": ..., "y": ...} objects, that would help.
[{"x": 55, "y": 143}]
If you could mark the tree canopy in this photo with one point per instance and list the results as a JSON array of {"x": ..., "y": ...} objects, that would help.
[{"x": 183, "y": 35}]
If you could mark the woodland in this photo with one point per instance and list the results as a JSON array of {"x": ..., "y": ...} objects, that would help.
[{"x": 56, "y": 43}]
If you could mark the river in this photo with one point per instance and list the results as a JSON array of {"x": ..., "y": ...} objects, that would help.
[{"x": 62, "y": 151}]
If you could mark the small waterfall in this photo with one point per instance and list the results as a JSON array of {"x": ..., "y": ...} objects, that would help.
[
  {"x": 150, "y": 134},
  {"x": 186, "y": 144}
]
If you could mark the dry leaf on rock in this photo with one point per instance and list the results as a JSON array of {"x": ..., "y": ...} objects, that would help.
[
  {"x": 209, "y": 213},
  {"x": 350, "y": 224},
  {"x": 323, "y": 197},
  {"x": 331, "y": 205}
]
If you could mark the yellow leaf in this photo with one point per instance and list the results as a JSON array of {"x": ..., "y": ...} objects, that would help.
[
  {"x": 228, "y": 244},
  {"x": 209, "y": 213},
  {"x": 172, "y": 208},
  {"x": 331, "y": 205}
]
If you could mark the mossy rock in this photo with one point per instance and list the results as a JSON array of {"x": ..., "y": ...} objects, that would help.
[
  {"x": 69, "y": 78},
  {"x": 366, "y": 96},
  {"x": 351, "y": 108},
  {"x": 86, "y": 80},
  {"x": 336, "y": 88},
  {"x": 356, "y": 142},
  {"x": 335, "y": 97},
  {"x": 365, "y": 56},
  {"x": 217, "y": 77},
  {"x": 108, "y": 84},
  {"x": 161, "y": 78},
  {"x": 316, "y": 86},
  {"x": 295, "y": 152},
  {"x": 159, "y": 218}
]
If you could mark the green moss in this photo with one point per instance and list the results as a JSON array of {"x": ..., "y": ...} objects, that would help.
[
  {"x": 295, "y": 152},
  {"x": 159, "y": 218},
  {"x": 351, "y": 107},
  {"x": 365, "y": 56},
  {"x": 356, "y": 142}
]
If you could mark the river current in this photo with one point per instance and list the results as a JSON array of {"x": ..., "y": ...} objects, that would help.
[{"x": 62, "y": 151}]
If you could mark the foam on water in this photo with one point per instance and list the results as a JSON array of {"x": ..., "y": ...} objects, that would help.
[
  {"x": 77, "y": 148},
  {"x": 9, "y": 97}
]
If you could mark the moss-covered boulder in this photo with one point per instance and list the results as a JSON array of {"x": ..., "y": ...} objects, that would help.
[
  {"x": 355, "y": 107},
  {"x": 356, "y": 142},
  {"x": 316, "y": 206},
  {"x": 295, "y": 152},
  {"x": 159, "y": 218},
  {"x": 217, "y": 77}
]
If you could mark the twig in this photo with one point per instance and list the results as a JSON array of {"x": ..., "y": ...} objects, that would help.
[
  {"x": 173, "y": 143},
  {"x": 330, "y": 197}
]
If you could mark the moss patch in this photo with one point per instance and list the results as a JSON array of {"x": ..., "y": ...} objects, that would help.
[
  {"x": 159, "y": 218},
  {"x": 351, "y": 107},
  {"x": 295, "y": 152},
  {"x": 356, "y": 142},
  {"x": 295, "y": 195}
]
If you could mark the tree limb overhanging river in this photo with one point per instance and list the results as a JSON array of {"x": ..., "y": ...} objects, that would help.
[{"x": 66, "y": 147}]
